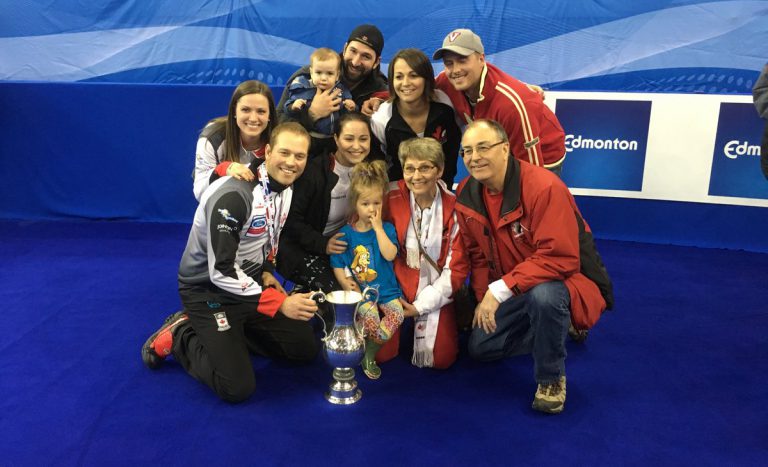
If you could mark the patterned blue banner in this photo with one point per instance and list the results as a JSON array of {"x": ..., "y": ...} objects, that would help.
[{"x": 651, "y": 46}]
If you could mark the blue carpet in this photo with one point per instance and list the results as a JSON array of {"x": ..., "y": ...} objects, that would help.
[{"x": 676, "y": 375}]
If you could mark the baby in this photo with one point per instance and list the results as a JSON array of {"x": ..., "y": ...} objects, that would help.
[{"x": 324, "y": 73}]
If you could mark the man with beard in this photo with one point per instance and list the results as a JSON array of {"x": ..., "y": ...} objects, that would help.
[{"x": 360, "y": 73}]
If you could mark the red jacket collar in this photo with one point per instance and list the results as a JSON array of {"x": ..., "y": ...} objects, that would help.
[{"x": 471, "y": 194}]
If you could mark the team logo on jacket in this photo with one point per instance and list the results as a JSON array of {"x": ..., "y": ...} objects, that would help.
[
  {"x": 258, "y": 225},
  {"x": 440, "y": 135},
  {"x": 226, "y": 215},
  {"x": 221, "y": 321}
]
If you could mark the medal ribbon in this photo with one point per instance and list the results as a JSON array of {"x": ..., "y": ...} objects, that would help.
[{"x": 274, "y": 225}]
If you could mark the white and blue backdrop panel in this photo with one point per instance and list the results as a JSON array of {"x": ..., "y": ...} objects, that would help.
[{"x": 100, "y": 106}]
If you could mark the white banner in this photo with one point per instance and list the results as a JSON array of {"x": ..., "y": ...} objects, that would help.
[{"x": 676, "y": 147}]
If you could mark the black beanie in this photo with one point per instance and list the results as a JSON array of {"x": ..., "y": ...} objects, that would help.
[{"x": 369, "y": 35}]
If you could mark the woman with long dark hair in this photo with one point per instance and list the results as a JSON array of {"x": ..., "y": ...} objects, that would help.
[
  {"x": 320, "y": 208},
  {"x": 415, "y": 109},
  {"x": 228, "y": 144}
]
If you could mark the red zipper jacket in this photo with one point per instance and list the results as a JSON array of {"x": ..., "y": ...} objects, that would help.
[
  {"x": 451, "y": 249},
  {"x": 543, "y": 229},
  {"x": 535, "y": 134}
]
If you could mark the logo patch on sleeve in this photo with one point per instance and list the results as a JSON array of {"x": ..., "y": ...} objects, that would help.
[
  {"x": 227, "y": 216},
  {"x": 221, "y": 321},
  {"x": 258, "y": 226}
]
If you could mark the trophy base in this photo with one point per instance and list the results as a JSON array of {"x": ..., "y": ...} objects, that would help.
[{"x": 343, "y": 390}]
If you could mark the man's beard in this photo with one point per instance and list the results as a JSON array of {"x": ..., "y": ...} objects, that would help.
[{"x": 360, "y": 75}]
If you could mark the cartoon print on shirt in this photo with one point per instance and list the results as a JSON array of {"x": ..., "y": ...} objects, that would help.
[{"x": 360, "y": 265}]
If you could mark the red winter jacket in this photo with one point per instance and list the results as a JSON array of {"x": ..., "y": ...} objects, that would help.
[
  {"x": 452, "y": 257},
  {"x": 542, "y": 227},
  {"x": 535, "y": 134}
]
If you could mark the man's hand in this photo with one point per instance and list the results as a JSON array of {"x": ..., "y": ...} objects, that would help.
[
  {"x": 336, "y": 246},
  {"x": 325, "y": 103},
  {"x": 299, "y": 307},
  {"x": 485, "y": 313},
  {"x": 370, "y": 106},
  {"x": 409, "y": 311},
  {"x": 240, "y": 171},
  {"x": 268, "y": 280}
]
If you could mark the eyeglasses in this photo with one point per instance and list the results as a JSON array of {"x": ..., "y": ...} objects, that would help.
[
  {"x": 422, "y": 169},
  {"x": 480, "y": 148}
]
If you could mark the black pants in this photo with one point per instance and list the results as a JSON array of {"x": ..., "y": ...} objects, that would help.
[
  {"x": 219, "y": 357},
  {"x": 315, "y": 273},
  {"x": 320, "y": 146}
]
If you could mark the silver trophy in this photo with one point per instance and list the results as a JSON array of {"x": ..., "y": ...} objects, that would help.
[{"x": 344, "y": 346}]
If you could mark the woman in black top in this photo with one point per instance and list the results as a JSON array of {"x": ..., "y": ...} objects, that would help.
[
  {"x": 319, "y": 209},
  {"x": 415, "y": 109}
]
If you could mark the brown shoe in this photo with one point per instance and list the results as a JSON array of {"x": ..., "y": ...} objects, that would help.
[{"x": 550, "y": 398}]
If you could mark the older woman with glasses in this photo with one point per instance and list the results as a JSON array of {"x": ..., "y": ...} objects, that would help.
[{"x": 430, "y": 265}]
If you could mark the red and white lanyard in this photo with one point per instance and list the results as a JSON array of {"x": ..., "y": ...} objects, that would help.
[{"x": 274, "y": 221}]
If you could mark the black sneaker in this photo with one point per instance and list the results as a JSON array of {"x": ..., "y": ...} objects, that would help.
[{"x": 159, "y": 344}]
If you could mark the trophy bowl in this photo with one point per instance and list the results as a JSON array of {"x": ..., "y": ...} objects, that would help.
[{"x": 344, "y": 345}]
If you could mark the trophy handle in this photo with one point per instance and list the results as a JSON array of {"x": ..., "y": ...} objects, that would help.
[
  {"x": 319, "y": 297},
  {"x": 374, "y": 291}
]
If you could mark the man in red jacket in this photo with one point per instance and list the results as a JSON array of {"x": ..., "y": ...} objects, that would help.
[
  {"x": 478, "y": 89},
  {"x": 534, "y": 266}
]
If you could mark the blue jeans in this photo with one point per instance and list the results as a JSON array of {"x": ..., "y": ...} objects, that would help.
[{"x": 535, "y": 322}]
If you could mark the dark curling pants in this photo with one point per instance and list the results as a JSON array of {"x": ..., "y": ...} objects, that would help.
[{"x": 220, "y": 357}]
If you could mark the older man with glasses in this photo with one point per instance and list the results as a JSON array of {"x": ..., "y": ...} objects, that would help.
[{"x": 534, "y": 265}]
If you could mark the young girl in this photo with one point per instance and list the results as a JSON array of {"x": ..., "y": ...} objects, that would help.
[{"x": 372, "y": 246}]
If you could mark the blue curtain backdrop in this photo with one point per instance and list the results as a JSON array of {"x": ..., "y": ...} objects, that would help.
[{"x": 653, "y": 46}]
